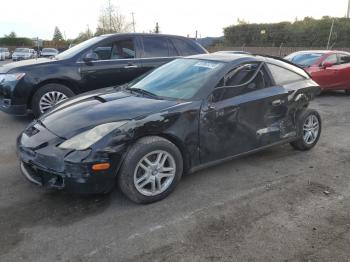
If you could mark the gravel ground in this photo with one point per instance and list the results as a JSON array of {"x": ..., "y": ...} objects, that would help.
[{"x": 277, "y": 205}]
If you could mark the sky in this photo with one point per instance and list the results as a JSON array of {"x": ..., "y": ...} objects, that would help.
[{"x": 38, "y": 18}]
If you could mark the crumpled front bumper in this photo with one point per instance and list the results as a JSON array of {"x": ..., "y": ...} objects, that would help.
[{"x": 46, "y": 165}]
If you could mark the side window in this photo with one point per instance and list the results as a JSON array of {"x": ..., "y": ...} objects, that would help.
[
  {"x": 331, "y": 59},
  {"x": 103, "y": 51},
  {"x": 122, "y": 49},
  {"x": 155, "y": 47},
  {"x": 172, "y": 49},
  {"x": 184, "y": 47},
  {"x": 241, "y": 80},
  {"x": 344, "y": 58},
  {"x": 283, "y": 76}
]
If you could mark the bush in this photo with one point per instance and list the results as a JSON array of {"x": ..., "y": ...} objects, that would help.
[{"x": 308, "y": 32}]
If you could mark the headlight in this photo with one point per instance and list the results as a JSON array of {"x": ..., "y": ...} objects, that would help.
[
  {"x": 11, "y": 77},
  {"x": 88, "y": 138}
]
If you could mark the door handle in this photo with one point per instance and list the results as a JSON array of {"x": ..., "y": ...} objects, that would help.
[
  {"x": 130, "y": 66},
  {"x": 277, "y": 102}
]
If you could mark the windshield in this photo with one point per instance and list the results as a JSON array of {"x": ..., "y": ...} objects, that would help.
[
  {"x": 306, "y": 59},
  {"x": 79, "y": 47},
  {"x": 49, "y": 50},
  {"x": 179, "y": 79},
  {"x": 22, "y": 50}
]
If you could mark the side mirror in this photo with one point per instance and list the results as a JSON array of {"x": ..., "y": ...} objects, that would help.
[
  {"x": 89, "y": 57},
  {"x": 326, "y": 65}
]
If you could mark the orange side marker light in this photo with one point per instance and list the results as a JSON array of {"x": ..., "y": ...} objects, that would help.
[{"x": 101, "y": 166}]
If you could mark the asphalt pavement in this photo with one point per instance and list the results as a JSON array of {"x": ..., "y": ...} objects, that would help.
[{"x": 276, "y": 205}]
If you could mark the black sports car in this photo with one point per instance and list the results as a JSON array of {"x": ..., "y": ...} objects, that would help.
[{"x": 188, "y": 114}]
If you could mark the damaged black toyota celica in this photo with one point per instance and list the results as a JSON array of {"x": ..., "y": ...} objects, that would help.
[{"x": 184, "y": 116}]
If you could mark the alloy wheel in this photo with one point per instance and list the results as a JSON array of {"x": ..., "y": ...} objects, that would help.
[
  {"x": 154, "y": 173},
  {"x": 311, "y": 129},
  {"x": 50, "y": 99}
]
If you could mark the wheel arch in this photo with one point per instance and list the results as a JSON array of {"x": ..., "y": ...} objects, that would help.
[
  {"x": 75, "y": 89},
  {"x": 173, "y": 139}
]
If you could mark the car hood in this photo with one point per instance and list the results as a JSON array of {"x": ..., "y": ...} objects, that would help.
[
  {"x": 91, "y": 109},
  {"x": 7, "y": 67}
]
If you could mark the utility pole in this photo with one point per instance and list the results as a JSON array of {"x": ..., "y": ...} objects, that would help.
[
  {"x": 196, "y": 34},
  {"x": 330, "y": 34},
  {"x": 133, "y": 20},
  {"x": 348, "y": 13},
  {"x": 110, "y": 15}
]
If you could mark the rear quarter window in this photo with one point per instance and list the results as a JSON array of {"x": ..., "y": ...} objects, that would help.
[
  {"x": 184, "y": 47},
  {"x": 283, "y": 76}
]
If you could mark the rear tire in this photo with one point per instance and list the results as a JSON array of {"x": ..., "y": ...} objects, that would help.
[
  {"x": 347, "y": 91},
  {"x": 40, "y": 103},
  {"x": 140, "y": 172},
  {"x": 309, "y": 127}
]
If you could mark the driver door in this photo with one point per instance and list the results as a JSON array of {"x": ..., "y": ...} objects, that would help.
[
  {"x": 117, "y": 63},
  {"x": 328, "y": 77},
  {"x": 242, "y": 115}
]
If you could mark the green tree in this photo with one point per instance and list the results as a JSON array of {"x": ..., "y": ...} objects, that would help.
[
  {"x": 11, "y": 35},
  {"x": 308, "y": 32},
  {"x": 57, "y": 35},
  {"x": 156, "y": 29},
  {"x": 83, "y": 36}
]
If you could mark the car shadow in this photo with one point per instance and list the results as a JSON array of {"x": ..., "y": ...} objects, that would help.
[{"x": 335, "y": 93}]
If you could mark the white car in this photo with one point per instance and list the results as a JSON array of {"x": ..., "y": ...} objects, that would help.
[
  {"x": 21, "y": 54},
  {"x": 4, "y": 53},
  {"x": 48, "y": 52},
  {"x": 2, "y": 56},
  {"x": 34, "y": 53}
]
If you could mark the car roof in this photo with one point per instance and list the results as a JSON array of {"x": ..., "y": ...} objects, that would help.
[
  {"x": 236, "y": 59},
  {"x": 146, "y": 34}
]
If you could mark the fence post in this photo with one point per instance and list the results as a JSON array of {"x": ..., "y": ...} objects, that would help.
[{"x": 280, "y": 51}]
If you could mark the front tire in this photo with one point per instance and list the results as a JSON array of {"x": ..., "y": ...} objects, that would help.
[
  {"x": 309, "y": 130},
  {"x": 48, "y": 96},
  {"x": 151, "y": 170}
]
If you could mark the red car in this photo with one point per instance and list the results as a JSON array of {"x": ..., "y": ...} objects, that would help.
[{"x": 330, "y": 69}]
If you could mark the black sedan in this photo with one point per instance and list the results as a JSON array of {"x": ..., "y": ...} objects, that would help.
[
  {"x": 102, "y": 61},
  {"x": 186, "y": 115}
]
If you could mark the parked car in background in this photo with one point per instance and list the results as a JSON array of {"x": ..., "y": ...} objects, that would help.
[
  {"x": 2, "y": 55},
  {"x": 233, "y": 52},
  {"x": 330, "y": 69},
  {"x": 185, "y": 115},
  {"x": 99, "y": 62},
  {"x": 48, "y": 52},
  {"x": 21, "y": 54},
  {"x": 33, "y": 53},
  {"x": 5, "y": 52}
]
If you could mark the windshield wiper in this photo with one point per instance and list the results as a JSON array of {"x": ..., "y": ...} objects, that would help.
[{"x": 143, "y": 92}]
